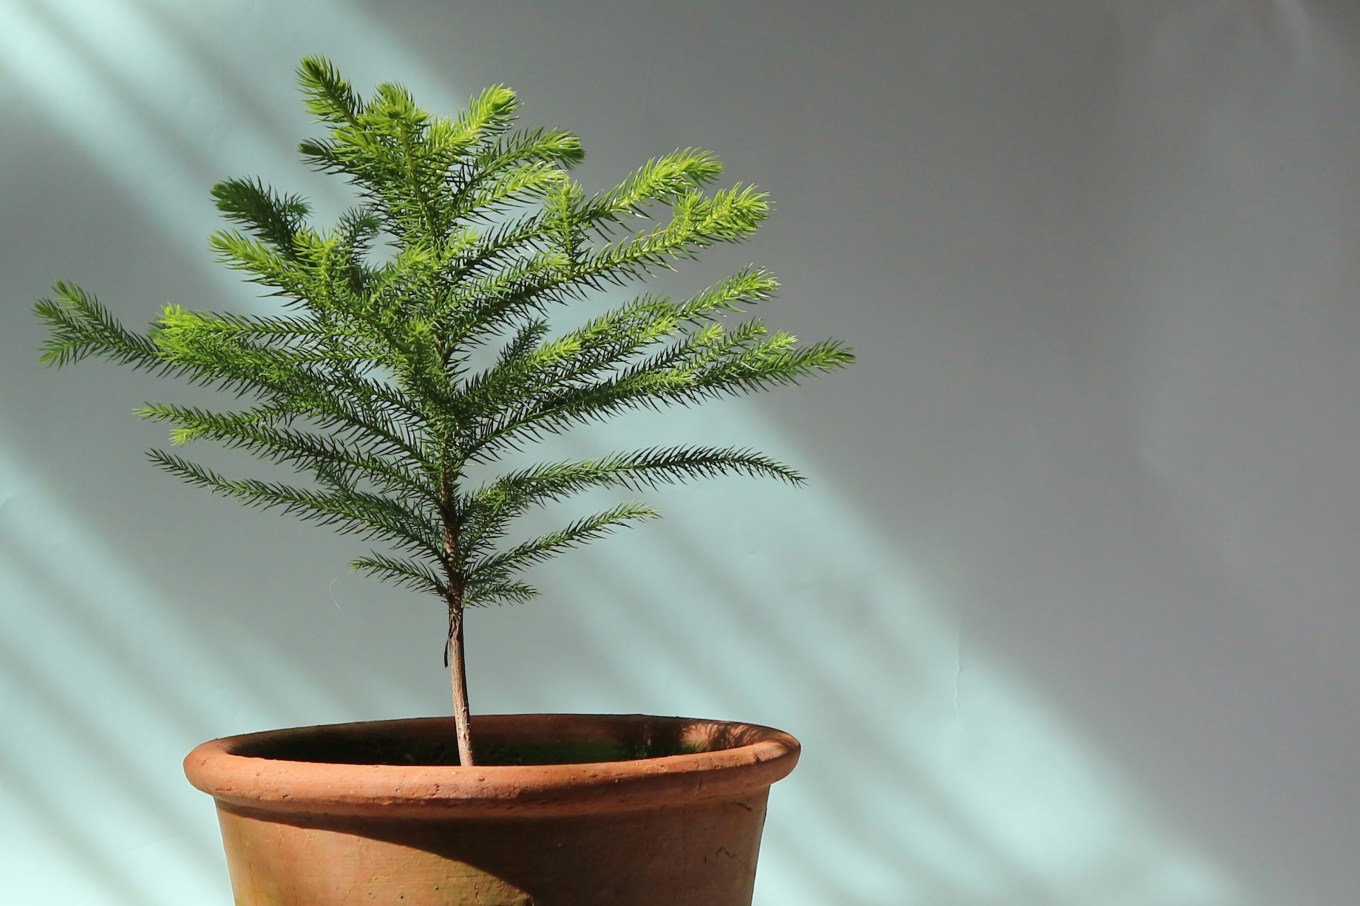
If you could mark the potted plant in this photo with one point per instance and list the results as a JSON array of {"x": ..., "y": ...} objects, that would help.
[{"x": 414, "y": 346}]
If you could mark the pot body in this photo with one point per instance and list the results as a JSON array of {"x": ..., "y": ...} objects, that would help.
[{"x": 672, "y": 818}]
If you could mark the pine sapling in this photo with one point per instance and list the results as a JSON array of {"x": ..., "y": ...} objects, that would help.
[{"x": 413, "y": 342}]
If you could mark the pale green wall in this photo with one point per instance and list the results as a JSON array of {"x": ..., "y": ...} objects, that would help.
[{"x": 1066, "y": 616}]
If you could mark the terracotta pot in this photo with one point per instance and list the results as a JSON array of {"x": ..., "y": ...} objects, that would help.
[{"x": 659, "y": 811}]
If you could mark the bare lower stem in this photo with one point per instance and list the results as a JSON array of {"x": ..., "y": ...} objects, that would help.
[{"x": 458, "y": 679}]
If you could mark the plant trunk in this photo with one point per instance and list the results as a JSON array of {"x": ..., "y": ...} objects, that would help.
[{"x": 458, "y": 679}]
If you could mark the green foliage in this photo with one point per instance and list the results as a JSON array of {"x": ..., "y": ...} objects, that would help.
[{"x": 468, "y": 234}]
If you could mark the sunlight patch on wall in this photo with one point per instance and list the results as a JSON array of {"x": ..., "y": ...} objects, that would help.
[
  {"x": 96, "y": 724},
  {"x": 87, "y": 65},
  {"x": 93, "y": 724}
]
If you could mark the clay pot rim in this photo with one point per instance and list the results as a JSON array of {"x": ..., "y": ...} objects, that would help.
[{"x": 241, "y": 782}]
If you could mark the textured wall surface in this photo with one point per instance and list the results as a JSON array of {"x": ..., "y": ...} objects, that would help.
[{"x": 1066, "y": 615}]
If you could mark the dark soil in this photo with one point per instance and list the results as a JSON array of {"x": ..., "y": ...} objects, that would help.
[{"x": 404, "y": 750}]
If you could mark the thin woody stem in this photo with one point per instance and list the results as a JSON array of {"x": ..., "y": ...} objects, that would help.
[
  {"x": 457, "y": 663},
  {"x": 454, "y": 596},
  {"x": 458, "y": 680}
]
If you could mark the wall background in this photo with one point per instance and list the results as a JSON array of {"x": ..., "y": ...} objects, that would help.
[{"x": 1067, "y": 615}]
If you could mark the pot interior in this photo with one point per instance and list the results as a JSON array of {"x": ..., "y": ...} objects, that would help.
[{"x": 544, "y": 741}]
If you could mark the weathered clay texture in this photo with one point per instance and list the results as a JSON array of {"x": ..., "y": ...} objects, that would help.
[{"x": 673, "y": 830}]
